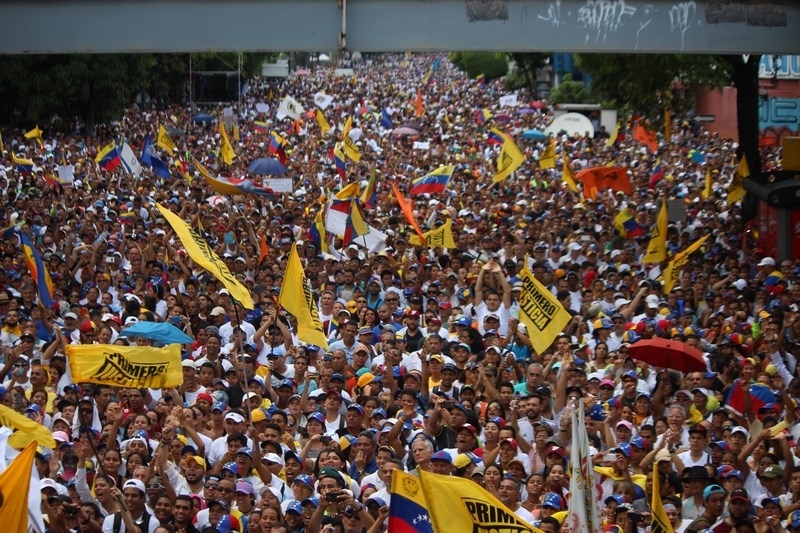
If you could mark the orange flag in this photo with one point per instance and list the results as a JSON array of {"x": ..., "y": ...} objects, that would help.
[
  {"x": 405, "y": 206},
  {"x": 419, "y": 110},
  {"x": 646, "y": 136},
  {"x": 596, "y": 179},
  {"x": 263, "y": 249}
]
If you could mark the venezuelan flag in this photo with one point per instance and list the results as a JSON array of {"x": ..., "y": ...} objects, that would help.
[
  {"x": 109, "y": 158},
  {"x": 317, "y": 231},
  {"x": 658, "y": 173},
  {"x": 260, "y": 127},
  {"x": 338, "y": 160},
  {"x": 408, "y": 508},
  {"x": 24, "y": 166},
  {"x": 435, "y": 182},
  {"x": 276, "y": 143},
  {"x": 627, "y": 225},
  {"x": 370, "y": 195},
  {"x": 480, "y": 78},
  {"x": 39, "y": 272},
  {"x": 483, "y": 116},
  {"x": 127, "y": 218},
  {"x": 495, "y": 137}
]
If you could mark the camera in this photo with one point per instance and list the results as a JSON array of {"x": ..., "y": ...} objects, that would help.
[
  {"x": 332, "y": 497},
  {"x": 636, "y": 517}
]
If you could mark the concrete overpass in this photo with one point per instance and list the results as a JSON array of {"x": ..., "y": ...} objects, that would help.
[{"x": 692, "y": 26}]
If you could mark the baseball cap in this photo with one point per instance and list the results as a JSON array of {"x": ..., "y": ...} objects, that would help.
[
  {"x": 772, "y": 471},
  {"x": 442, "y": 456},
  {"x": 740, "y": 494},
  {"x": 623, "y": 447},
  {"x": 712, "y": 489},
  {"x": 134, "y": 484},
  {"x": 553, "y": 500},
  {"x": 305, "y": 479}
]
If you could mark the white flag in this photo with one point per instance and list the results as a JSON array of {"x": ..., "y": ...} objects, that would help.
[
  {"x": 129, "y": 160},
  {"x": 509, "y": 100},
  {"x": 66, "y": 175},
  {"x": 289, "y": 107},
  {"x": 262, "y": 108},
  {"x": 583, "y": 513},
  {"x": 323, "y": 101}
]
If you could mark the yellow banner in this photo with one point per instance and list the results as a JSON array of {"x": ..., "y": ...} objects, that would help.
[
  {"x": 661, "y": 523},
  {"x": 225, "y": 147},
  {"x": 126, "y": 366},
  {"x": 324, "y": 126},
  {"x": 706, "y": 193},
  {"x": 164, "y": 141},
  {"x": 204, "y": 256},
  {"x": 349, "y": 145},
  {"x": 568, "y": 176},
  {"x": 673, "y": 270},
  {"x": 509, "y": 160},
  {"x": 736, "y": 191},
  {"x": 657, "y": 247},
  {"x": 441, "y": 237},
  {"x": 296, "y": 297},
  {"x": 460, "y": 504},
  {"x": 542, "y": 314},
  {"x": 25, "y": 430},
  {"x": 15, "y": 483},
  {"x": 548, "y": 157}
]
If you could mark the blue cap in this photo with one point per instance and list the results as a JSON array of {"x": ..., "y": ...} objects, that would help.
[
  {"x": 794, "y": 519},
  {"x": 312, "y": 348},
  {"x": 380, "y": 411},
  {"x": 630, "y": 374},
  {"x": 380, "y": 502},
  {"x": 733, "y": 473},
  {"x": 619, "y": 498},
  {"x": 33, "y": 408},
  {"x": 289, "y": 454},
  {"x": 286, "y": 383},
  {"x": 245, "y": 451},
  {"x": 218, "y": 406},
  {"x": 294, "y": 507},
  {"x": 712, "y": 489},
  {"x": 637, "y": 441},
  {"x": 597, "y": 413},
  {"x": 356, "y": 407},
  {"x": 232, "y": 467},
  {"x": 442, "y": 456},
  {"x": 464, "y": 321},
  {"x": 624, "y": 448},
  {"x": 305, "y": 479},
  {"x": 553, "y": 500},
  {"x": 316, "y": 415},
  {"x": 314, "y": 500},
  {"x": 710, "y": 375},
  {"x": 338, "y": 376}
]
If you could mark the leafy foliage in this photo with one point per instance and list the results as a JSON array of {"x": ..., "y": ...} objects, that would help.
[
  {"x": 572, "y": 92},
  {"x": 490, "y": 64},
  {"x": 648, "y": 83},
  {"x": 523, "y": 75}
]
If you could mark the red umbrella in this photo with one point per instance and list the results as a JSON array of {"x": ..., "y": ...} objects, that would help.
[{"x": 668, "y": 354}]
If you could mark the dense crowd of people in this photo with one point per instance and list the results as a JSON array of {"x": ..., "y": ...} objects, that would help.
[{"x": 429, "y": 366}]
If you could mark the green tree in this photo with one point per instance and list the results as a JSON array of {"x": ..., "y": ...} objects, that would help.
[
  {"x": 492, "y": 65},
  {"x": 524, "y": 72},
  {"x": 570, "y": 91}
]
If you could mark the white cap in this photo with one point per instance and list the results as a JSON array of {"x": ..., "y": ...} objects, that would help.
[
  {"x": 652, "y": 301},
  {"x": 71, "y": 315},
  {"x": 134, "y": 484},
  {"x": 107, "y": 316},
  {"x": 131, "y": 320},
  {"x": 741, "y": 284},
  {"x": 217, "y": 311},
  {"x": 273, "y": 457},
  {"x": 574, "y": 246},
  {"x": 766, "y": 261}
]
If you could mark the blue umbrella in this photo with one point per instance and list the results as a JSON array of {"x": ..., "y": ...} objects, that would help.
[
  {"x": 535, "y": 135},
  {"x": 267, "y": 167},
  {"x": 202, "y": 117},
  {"x": 157, "y": 332}
]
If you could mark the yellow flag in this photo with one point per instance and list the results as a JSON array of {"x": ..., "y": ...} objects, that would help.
[
  {"x": 706, "y": 194},
  {"x": 226, "y": 149},
  {"x": 460, "y": 504},
  {"x": 614, "y": 134},
  {"x": 126, "y": 366},
  {"x": 441, "y": 237},
  {"x": 349, "y": 145},
  {"x": 206, "y": 257},
  {"x": 201, "y": 169},
  {"x": 296, "y": 297},
  {"x": 164, "y": 141},
  {"x": 673, "y": 270},
  {"x": 25, "y": 430},
  {"x": 657, "y": 248},
  {"x": 510, "y": 158},
  {"x": 661, "y": 523},
  {"x": 548, "y": 157},
  {"x": 542, "y": 314},
  {"x": 351, "y": 190},
  {"x": 567, "y": 175},
  {"x": 15, "y": 483},
  {"x": 235, "y": 132},
  {"x": 737, "y": 191},
  {"x": 35, "y": 133},
  {"x": 324, "y": 127}
]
